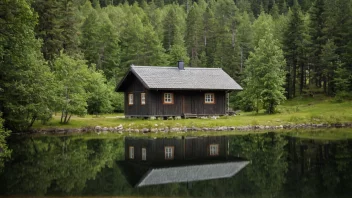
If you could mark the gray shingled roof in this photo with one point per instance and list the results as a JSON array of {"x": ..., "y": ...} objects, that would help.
[
  {"x": 154, "y": 77},
  {"x": 191, "y": 173}
]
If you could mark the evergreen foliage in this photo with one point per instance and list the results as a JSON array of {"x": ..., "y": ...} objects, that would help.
[
  {"x": 26, "y": 83},
  {"x": 68, "y": 55},
  {"x": 265, "y": 75}
]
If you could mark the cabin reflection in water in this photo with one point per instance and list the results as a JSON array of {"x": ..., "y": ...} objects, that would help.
[{"x": 153, "y": 161}]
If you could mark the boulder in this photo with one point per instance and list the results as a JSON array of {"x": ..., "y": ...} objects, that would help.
[{"x": 97, "y": 128}]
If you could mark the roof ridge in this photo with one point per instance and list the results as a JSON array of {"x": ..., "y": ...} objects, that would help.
[{"x": 175, "y": 67}]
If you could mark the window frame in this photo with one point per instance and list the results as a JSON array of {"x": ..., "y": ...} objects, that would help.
[
  {"x": 144, "y": 154},
  {"x": 143, "y": 102},
  {"x": 216, "y": 150},
  {"x": 130, "y": 96},
  {"x": 171, "y": 98},
  {"x": 131, "y": 152},
  {"x": 167, "y": 157},
  {"x": 212, "y": 97}
]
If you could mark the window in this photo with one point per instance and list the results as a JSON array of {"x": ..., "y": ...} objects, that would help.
[
  {"x": 130, "y": 99},
  {"x": 144, "y": 154},
  {"x": 169, "y": 152},
  {"x": 131, "y": 152},
  {"x": 209, "y": 98},
  {"x": 213, "y": 149},
  {"x": 168, "y": 98},
  {"x": 142, "y": 98}
]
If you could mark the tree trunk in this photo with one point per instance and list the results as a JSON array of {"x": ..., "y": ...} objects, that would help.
[
  {"x": 301, "y": 78},
  {"x": 62, "y": 116},
  {"x": 324, "y": 85},
  {"x": 69, "y": 118},
  {"x": 294, "y": 77}
]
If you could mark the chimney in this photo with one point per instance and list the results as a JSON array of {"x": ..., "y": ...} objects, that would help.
[{"x": 180, "y": 65}]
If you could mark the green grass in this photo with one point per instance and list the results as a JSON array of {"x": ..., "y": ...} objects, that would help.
[{"x": 299, "y": 110}]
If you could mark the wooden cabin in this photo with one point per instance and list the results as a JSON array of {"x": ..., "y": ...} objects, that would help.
[
  {"x": 150, "y": 161},
  {"x": 175, "y": 91},
  {"x": 186, "y": 148}
]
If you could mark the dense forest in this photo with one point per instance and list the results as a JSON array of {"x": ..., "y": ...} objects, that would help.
[{"x": 67, "y": 55}]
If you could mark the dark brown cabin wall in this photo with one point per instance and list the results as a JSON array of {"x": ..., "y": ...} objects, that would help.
[
  {"x": 136, "y": 88},
  {"x": 157, "y": 107},
  {"x": 214, "y": 109},
  {"x": 194, "y": 103},
  {"x": 191, "y": 102}
]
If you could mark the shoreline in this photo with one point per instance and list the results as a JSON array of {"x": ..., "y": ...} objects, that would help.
[{"x": 121, "y": 130}]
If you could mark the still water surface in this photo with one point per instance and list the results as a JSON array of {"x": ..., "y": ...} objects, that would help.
[{"x": 280, "y": 165}]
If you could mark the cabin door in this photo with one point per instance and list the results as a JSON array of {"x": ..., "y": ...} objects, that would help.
[{"x": 189, "y": 104}]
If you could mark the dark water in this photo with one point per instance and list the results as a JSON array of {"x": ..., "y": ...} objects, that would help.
[{"x": 280, "y": 166}]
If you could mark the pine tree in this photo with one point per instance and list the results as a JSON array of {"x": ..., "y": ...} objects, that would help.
[
  {"x": 245, "y": 37},
  {"x": 156, "y": 16},
  {"x": 153, "y": 52},
  {"x": 173, "y": 24},
  {"x": 329, "y": 61},
  {"x": 140, "y": 45},
  {"x": 69, "y": 25},
  {"x": 99, "y": 43},
  {"x": 284, "y": 7},
  {"x": 58, "y": 27},
  {"x": 262, "y": 26},
  {"x": 209, "y": 35},
  {"x": 194, "y": 36},
  {"x": 265, "y": 75},
  {"x": 49, "y": 27},
  {"x": 227, "y": 51},
  {"x": 318, "y": 38},
  {"x": 131, "y": 42},
  {"x": 293, "y": 47}
]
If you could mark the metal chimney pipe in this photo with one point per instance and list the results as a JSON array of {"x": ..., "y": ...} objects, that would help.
[{"x": 180, "y": 65}]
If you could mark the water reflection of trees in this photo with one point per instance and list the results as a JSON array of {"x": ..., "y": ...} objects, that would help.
[
  {"x": 56, "y": 164},
  {"x": 280, "y": 167},
  {"x": 319, "y": 168},
  {"x": 265, "y": 176}
]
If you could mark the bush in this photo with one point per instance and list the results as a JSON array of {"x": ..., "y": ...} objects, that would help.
[
  {"x": 238, "y": 101},
  {"x": 342, "y": 96},
  {"x": 4, "y": 152}
]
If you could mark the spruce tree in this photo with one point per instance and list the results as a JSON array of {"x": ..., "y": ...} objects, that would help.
[
  {"x": 329, "y": 60},
  {"x": 57, "y": 27},
  {"x": 209, "y": 35},
  {"x": 194, "y": 35},
  {"x": 318, "y": 38},
  {"x": 49, "y": 27},
  {"x": 265, "y": 75},
  {"x": 227, "y": 51},
  {"x": 293, "y": 45},
  {"x": 100, "y": 43}
]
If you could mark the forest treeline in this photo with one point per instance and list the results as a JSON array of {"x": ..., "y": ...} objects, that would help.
[{"x": 67, "y": 55}]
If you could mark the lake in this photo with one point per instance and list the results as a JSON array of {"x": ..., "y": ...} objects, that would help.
[{"x": 294, "y": 164}]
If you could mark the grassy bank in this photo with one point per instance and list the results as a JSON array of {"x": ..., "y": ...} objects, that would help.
[{"x": 296, "y": 111}]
